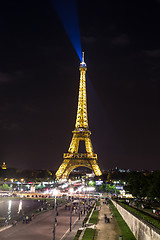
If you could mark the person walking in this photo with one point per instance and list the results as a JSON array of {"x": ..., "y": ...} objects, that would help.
[
  {"x": 6, "y": 222},
  {"x": 27, "y": 219},
  {"x": 14, "y": 223},
  {"x": 24, "y": 219},
  {"x": 105, "y": 218}
]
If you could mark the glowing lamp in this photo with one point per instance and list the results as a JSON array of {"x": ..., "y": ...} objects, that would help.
[
  {"x": 55, "y": 192},
  {"x": 71, "y": 190}
]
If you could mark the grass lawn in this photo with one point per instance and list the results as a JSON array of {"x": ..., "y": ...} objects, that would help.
[
  {"x": 148, "y": 210},
  {"x": 125, "y": 230},
  {"x": 145, "y": 217},
  {"x": 94, "y": 217},
  {"x": 77, "y": 235},
  {"x": 89, "y": 234},
  {"x": 98, "y": 203},
  {"x": 86, "y": 218}
]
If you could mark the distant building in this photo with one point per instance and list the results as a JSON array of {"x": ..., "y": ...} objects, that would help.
[
  {"x": 4, "y": 165},
  {"x": 116, "y": 169}
]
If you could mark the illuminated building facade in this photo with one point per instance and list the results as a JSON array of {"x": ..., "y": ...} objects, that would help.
[
  {"x": 74, "y": 159},
  {"x": 4, "y": 165}
]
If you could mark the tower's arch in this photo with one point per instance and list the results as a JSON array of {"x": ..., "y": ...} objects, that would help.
[{"x": 72, "y": 166}]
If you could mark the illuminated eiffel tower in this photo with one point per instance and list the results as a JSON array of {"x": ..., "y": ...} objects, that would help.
[{"x": 74, "y": 159}]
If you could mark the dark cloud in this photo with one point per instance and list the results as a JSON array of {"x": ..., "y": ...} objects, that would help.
[
  {"x": 10, "y": 126},
  {"x": 5, "y": 77},
  {"x": 29, "y": 108},
  {"x": 121, "y": 40},
  {"x": 153, "y": 53},
  {"x": 88, "y": 39},
  {"x": 7, "y": 124},
  {"x": 112, "y": 27}
]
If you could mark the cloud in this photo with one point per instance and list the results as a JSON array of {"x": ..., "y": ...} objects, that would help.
[
  {"x": 88, "y": 39},
  {"x": 30, "y": 109},
  {"x": 112, "y": 27},
  {"x": 121, "y": 40},
  {"x": 4, "y": 77},
  {"x": 153, "y": 53},
  {"x": 10, "y": 126}
]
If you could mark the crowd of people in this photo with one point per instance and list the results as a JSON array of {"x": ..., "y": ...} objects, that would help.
[
  {"x": 76, "y": 208},
  {"x": 27, "y": 219}
]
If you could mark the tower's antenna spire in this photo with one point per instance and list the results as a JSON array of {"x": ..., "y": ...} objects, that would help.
[
  {"x": 83, "y": 57},
  {"x": 83, "y": 64}
]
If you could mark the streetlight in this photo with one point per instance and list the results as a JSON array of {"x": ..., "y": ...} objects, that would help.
[
  {"x": 71, "y": 191},
  {"x": 22, "y": 180},
  {"x": 79, "y": 206},
  {"x": 55, "y": 192},
  {"x": 84, "y": 189}
]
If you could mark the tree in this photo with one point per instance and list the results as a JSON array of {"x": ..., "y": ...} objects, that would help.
[
  {"x": 137, "y": 185},
  {"x": 154, "y": 187},
  {"x": 108, "y": 188},
  {"x": 102, "y": 187},
  {"x": 91, "y": 183},
  {"x": 5, "y": 187}
]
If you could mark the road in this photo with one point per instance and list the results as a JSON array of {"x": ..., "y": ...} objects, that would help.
[{"x": 41, "y": 228}]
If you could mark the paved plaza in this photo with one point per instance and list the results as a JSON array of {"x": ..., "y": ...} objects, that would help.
[
  {"x": 107, "y": 231},
  {"x": 41, "y": 227}
]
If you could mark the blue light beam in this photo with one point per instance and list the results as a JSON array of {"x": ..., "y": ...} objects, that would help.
[{"x": 68, "y": 14}]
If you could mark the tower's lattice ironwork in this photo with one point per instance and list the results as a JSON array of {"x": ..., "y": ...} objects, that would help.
[{"x": 74, "y": 159}]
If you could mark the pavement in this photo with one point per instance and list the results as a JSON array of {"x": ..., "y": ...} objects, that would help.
[
  {"x": 5, "y": 228},
  {"x": 107, "y": 231},
  {"x": 41, "y": 227},
  {"x": 70, "y": 235}
]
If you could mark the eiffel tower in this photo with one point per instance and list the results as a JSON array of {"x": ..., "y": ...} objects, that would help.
[{"x": 74, "y": 159}]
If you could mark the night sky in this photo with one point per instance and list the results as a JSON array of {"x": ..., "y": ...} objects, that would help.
[{"x": 39, "y": 80}]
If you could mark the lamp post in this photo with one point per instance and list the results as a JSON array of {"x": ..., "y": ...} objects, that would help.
[
  {"x": 79, "y": 207},
  {"x": 71, "y": 191},
  {"x": 22, "y": 180},
  {"x": 55, "y": 192},
  {"x": 84, "y": 189}
]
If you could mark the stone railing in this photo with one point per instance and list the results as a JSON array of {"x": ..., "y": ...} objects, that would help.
[{"x": 140, "y": 229}]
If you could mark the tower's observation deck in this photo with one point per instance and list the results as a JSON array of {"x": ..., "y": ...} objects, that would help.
[{"x": 74, "y": 159}]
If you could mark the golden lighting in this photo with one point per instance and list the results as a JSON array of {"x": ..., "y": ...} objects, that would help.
[
  {"x": 4, "y": 165},
  {"x": 73, "y": 159}
]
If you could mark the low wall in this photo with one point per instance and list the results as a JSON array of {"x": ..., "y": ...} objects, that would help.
[{"x": 140, "y": 229}]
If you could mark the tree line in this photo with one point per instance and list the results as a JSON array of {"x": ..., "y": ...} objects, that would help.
[{"x": 141, "y": 186}]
